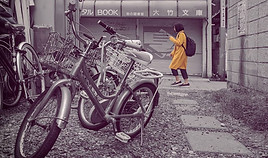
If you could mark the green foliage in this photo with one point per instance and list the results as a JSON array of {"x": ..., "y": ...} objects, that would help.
[{"x": 247, "y": 105}]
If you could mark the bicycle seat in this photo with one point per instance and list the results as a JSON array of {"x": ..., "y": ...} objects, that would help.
[
  {"x": 5, "y": 11},
  {"x": 142, "y": 57},
  {"x": 14, "y": 27}
]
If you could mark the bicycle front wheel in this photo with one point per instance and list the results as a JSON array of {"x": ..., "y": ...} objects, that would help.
[
  {"x": 143, "y": 95},
  {"x": 30, "y": 72},
  {"x": 39, "y": 131}
]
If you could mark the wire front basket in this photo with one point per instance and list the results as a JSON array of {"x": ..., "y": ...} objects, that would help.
[
  {"x": 61, "y": 54},
  {"x": 118, "y": 60}
]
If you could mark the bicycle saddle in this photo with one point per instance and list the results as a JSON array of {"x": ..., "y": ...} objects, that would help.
[
  {"x": 142, "y": 57},
  {"x": 14, "y": 27},
  {"x": 5, "y": 11}
]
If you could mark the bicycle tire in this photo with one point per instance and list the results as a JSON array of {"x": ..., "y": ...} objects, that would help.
[
  {"x": 1, "y": 90},
  {"x": 86, "y": 110},
  {"x": 13, "y": 91},
  {"x": 30, "y": 72},
  {"x": 131, "y": 125},
  {"x": 39, "y": 131}
]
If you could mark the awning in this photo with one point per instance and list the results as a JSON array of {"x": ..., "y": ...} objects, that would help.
[
  {"x": 108, "y": 8},
  {"x": 135, "y": 8},
  {"x": 192, "y": 9},
  {"x": 163, "y": 9},
  {"x": 145, "y": 8}
]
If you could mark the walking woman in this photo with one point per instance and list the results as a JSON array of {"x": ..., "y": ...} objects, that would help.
[{"x": 179, "y": 58}]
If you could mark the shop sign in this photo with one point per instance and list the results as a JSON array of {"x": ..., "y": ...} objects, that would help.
[
  {"x": 135, "y": 8},
  {"x": 192, "y": 9},
  {"x": 163, "y": 8},
  {"x": 156, "y": 41},
  {"x": 108, "y": 8},
  {"x": 223, "y": 16},
  {"x": 87, "y": 8}
]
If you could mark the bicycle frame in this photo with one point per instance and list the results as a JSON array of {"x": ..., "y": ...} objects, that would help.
[{"x": 75, "y": 74}]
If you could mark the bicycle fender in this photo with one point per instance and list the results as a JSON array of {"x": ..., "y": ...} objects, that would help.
[
  {"x": 126, "y": 92},
  {"x": 23, "y": 43},
  {"x": 65, "y": 107}
]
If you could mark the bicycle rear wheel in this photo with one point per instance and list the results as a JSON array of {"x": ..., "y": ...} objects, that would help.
[
  {"x": 142, "y": 96},
  {"x": 13, "y": 90},
  {"x": 39, "y": 131},
  {"x": 1, "y": 90},
  {"x": 87, "y": 113},
  {"x": 30, "y": 72}
]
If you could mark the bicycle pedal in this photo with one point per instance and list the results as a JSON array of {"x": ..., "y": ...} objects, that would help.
[{"x": 122, "y": 137}]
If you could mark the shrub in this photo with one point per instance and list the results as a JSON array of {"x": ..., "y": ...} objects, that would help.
[{"x": 247, "y": 105}]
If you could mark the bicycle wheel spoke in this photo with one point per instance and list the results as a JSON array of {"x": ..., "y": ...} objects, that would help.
[
  {"x": 37, "y": 126},
  {"x": 139, "y": 105}
]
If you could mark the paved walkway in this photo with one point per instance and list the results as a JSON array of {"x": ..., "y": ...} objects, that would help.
[
  {"x": 204, "y": 133},
  {"x": 196, "y": 83}
]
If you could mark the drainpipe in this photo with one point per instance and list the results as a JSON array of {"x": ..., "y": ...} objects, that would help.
[
  {"x": 209, "y": 40},
  {"x": 204, "y": 46},
  {"x": 222, "y": 40}
]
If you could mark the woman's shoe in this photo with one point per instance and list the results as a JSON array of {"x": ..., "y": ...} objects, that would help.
[
  {"x": 185, "y": 85},
  {"x": 176, "y": 83}
]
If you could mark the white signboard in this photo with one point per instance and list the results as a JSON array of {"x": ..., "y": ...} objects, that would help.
[
  {"x": 223, "y": 16},
  {"x": 241, "y": 17}
]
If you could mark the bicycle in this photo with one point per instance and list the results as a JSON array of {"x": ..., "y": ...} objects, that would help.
[
  {"x": 20, "y": 67},
  {"x": 50, "y": 112},
  {"x": 60, "y": 54},
  {"x": 1, "y": 91}
]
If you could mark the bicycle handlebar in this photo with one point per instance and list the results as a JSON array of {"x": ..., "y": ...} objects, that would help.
[
  {"x": 111, "y": 31},
  {"x": 108, "y": 28},
  {"x": 69, "y": 13}
]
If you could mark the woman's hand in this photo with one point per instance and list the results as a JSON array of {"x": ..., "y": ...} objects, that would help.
[{"x": 171, "y": 38}]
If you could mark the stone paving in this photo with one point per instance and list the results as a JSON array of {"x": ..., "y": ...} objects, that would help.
[
  {"x": 215, "y": 142},
  {"x": 204, "y": 133},
  {"x": 202, "y": 122}
]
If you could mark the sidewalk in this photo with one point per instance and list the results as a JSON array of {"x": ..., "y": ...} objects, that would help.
[
  {"x": 196, "y": 83},
  {"x": 203, "y": 133}
]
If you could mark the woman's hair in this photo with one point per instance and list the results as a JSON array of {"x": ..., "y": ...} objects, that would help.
[{"x": 178, "y": 27}]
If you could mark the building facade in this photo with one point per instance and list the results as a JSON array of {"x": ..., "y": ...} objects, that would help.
[
  {"x": 146, "y": 20},
  {"x": 247, "y": 35},
  {"x": 149, "y": 21}
]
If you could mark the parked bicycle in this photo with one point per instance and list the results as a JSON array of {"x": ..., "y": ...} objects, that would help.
[
  {"x": 129, "y": 109},
  {"x": 21, "y": 71}
]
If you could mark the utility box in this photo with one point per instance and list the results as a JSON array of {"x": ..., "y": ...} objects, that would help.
[{"x": 41, "y": 34}]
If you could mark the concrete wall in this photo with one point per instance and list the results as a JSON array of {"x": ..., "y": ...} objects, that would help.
[{"x": 247, "y": 52}]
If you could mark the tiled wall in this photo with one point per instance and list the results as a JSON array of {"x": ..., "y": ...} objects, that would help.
[{"x": 247, "y": 53}]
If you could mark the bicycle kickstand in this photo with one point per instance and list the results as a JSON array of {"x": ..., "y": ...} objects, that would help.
[{"x": 142, "y": 129}]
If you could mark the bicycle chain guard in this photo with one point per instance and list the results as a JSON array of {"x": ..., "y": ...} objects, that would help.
[{"x": 94, "y": 115}]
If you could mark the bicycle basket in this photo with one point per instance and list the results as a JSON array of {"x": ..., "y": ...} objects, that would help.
[
  {"x": 61, "y": 54},
  {"x": 118, "y": 60}
]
